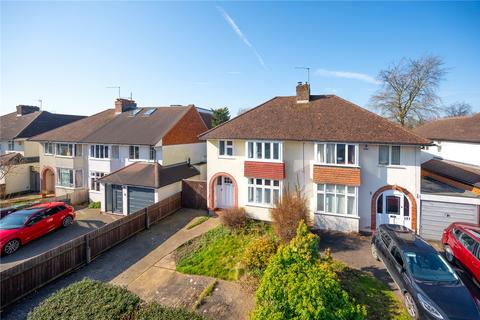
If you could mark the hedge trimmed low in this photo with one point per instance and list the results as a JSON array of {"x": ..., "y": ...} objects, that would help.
[{"x": 89, "y": 299}]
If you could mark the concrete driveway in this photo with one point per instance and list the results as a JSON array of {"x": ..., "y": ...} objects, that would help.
[{"x": 87, "y": 220}]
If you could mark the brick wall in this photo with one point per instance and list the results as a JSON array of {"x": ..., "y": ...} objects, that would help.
[
  {"x": 186, "y": 130},
  {"x": 265, "y": 170},
  {"x": 336, "y": 175}
]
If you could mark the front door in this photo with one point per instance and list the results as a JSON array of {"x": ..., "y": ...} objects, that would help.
[
  {"x": 225, "y": 192},
  {"x": 393, "y": 207}
]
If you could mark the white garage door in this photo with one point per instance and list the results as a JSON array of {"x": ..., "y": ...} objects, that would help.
[{"x": 436, "y": 216}]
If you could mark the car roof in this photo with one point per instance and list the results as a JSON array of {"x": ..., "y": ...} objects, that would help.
[
  {"x": 472, "y": 229},
  {"x": 48, "y": 204},
  {"x": 406, "y": 239}
]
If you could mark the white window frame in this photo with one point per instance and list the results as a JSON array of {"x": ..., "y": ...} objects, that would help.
[
  {"x": 134, "y": 147},
  {"x": 346, "y": 164},
  {"x": 323, "y": 193},
  {"x": 152, "y": 152},
  {"x": 11, "y": 145},
  {"x": 71, "y": 147},
  {"x": 95, "y": 185},
  {"x": 263, "y": 143},
  {"x": 97, "y": 151},
  {"x": 73, "y": 185},
  {"x": 46, "y": 146},
  {"x": 390, "y": 148},
  {"x": 253, "y": 183},
  {"x": 226, "y": 146}
]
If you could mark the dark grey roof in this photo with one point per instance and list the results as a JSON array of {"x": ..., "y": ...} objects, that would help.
[
  {"x": 464, "y": 173},
  {"x": 432, "y": 186},
  {"x": 206, "y": 117},
  {"x": 31, "y": 124},
  {"x": 151, "y": 175}
]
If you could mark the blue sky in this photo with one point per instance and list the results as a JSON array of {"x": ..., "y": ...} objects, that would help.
[{"x": 224, "y": 54}]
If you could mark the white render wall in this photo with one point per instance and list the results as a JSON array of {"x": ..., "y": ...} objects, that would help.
[
  {"x": 299, "y": 159},
  {"x": 455, "y": 151},
  {"x": 177, "y": 153}
]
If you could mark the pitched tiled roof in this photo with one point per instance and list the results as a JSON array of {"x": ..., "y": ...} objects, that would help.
[
  {"x": 324, "y": 118},
  {"x": 465, "y": 173},
  {"x": 31, "y": 124},
  {"x": 152, "y": 175},
  {"x": 464, "y": 129},
  {"x": 78, "y": 130},
  {"x": 126, "y": 128},
  {"x": 206, "y": 117}
]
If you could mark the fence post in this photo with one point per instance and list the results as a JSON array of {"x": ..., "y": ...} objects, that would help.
[
  {"x": 88, "y": 253},
  {"x": 147, "y": 219}
]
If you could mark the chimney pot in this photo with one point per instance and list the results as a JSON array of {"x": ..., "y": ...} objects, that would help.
[
  {"x": 303, "y": 92},
  {"x": 24, "y": 109},
  {"x": 122, "y": 105}
]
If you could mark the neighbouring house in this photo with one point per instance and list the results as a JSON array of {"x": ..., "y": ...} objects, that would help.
[
  {"x": 15, "y": 130},
  {"x": 356, "y": 168},
  {"x": 75, "y": 157},
  {"x": 450, "y": 174}
]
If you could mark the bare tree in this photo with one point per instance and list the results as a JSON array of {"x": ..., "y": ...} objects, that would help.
[
  {"x": 8, "y": 164},
  {"x": 242, "y": 110},
  {"x": 458, "y": 109},
  {"x": 408, "y": 90}
]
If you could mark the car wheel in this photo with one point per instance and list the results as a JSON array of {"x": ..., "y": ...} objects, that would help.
[
  {"x": 411, "y": 306},
  {"x": 374, "y": 252},
  {"x": 449, "y": 254},
  {"x": 11, "y": 246},
  {"x": 68, "y": 220}
]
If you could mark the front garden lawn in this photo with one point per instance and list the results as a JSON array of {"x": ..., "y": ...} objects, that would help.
[
  {"x": 217, "y": 252},
  {"x": 380, "y": 302}
]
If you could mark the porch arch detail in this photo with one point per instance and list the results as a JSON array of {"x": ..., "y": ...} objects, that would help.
[
  {"x": 211, "y": 189},
  {"x": 43, "y": 178},
  {"x": 373, "y": 224}
]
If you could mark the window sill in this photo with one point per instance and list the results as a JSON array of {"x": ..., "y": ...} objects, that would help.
[
  {"x": 265, "y": 206},
  {"x": 226, "y": 157},
  {"x": 66, "y": 157},
  {"x": 100, "y": 159},
  {"x": 69, "y": 188},
  {"x": 337, "y": 165},
  {"x": 337, "y": 215},
  {"x": 391, "y": 166},
  {"x": 264, "y": 160}
]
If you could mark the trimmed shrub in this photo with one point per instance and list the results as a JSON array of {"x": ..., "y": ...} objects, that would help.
[
  {"x": 154, "y": 311},
  {"x": 94, "y": 205},
  {"x": 288, "y": 212},
  {"x": 258, "y": 253},
  {"x": 297, "y": 285},
  {"x": 234, "y": 218},
  {"x": 85, "y": 300}
]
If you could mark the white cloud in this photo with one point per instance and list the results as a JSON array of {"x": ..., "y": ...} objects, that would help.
[
  {"x": 240, "y": 34},
  {"x": 346, "y": 75}
]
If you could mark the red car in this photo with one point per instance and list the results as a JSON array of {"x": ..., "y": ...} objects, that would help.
[
  {"x": 22, "y": 226},
  {"x": 462, "y": 243}
]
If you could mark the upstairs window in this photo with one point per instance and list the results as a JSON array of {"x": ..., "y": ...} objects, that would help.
[
  {"x": 48, "y": 148},
  {"x": 11, "y": 145},
  {"x": 65, "y": 149},
  {"x": 389, "y": 155},
  {"x": 99, "y": 151},
  {"x": 225, "y": 148},
  {"x": 115, "y": 152},
  {"x": 264, "y": 150},
  {"x": 134, "y": 153},
  {"x": 337, "y": 153},
  {"x": 153, "y": 154}
]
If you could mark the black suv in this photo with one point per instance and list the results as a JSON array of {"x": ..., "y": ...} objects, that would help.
[{"x": 432, "y": 290}]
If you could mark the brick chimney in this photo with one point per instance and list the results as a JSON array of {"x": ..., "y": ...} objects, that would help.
[
  {"x": 24, "y": 109},
  {"x": 122, "y": 105},
  {"x": 303, "y": 92}
]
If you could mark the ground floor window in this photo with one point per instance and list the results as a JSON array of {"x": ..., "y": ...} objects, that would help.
[
  {"x": 264, "y": 192},
  {"x": 94, "y": 176},
  {"x": 338, "y": 199},
  {"x": 71, "y": 178}
]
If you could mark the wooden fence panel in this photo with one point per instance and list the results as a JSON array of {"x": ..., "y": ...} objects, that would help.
[
  {"x": 194, "y": 194},
  {"x": 20, "y": 280}
]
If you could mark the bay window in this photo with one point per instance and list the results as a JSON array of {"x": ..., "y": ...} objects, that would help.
[
  {"x": 264, "y": 150},
  {"x": 225, "y": 148},
  {"x": 94, "y": 176},
  {"x": 337, "y": 199},
  {"x": 264, "y": 192},
  {"x": 71, "y": 178},
  {"x": 337, "y": 153},
  {"x": 389, "y": 155},
  {"x": 99, "y": 151}
]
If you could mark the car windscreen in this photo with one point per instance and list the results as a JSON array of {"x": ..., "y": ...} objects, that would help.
[
  {"x": 17, "y": 219},
  {"x": 429, "y": 266}
]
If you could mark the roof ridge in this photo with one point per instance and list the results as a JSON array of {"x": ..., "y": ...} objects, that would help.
[{"x": 238, "y": 116}]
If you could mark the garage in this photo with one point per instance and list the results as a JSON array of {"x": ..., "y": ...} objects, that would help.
[
  {"x": 139, "y": 198},
  {"x": 437, "y": 215}
]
